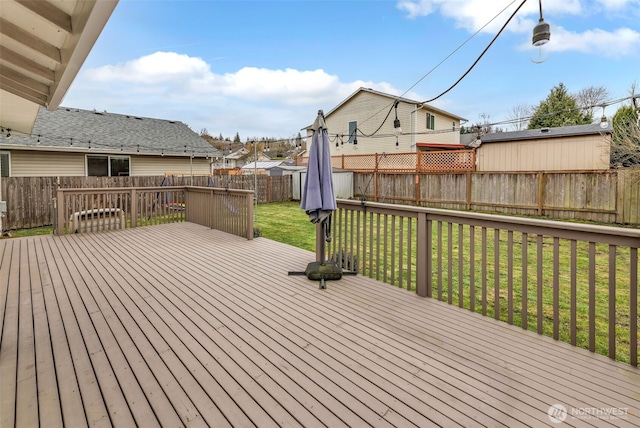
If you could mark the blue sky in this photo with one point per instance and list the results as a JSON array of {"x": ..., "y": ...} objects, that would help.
[{"x": 264, "y": 68}]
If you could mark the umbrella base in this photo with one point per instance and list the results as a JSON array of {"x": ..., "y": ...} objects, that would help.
[{"x": 323, "y": 271}]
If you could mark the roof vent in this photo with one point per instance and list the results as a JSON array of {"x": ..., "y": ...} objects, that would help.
[{"x": 544, "y": 130}]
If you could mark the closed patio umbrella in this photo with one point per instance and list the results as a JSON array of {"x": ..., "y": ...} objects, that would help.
[{"x": 319, "y": 201}]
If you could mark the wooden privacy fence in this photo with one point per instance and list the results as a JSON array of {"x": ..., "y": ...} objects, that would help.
[
  {"x": 94, "y": 210},
  {"x": 573, "y": 282},
  {"x": 439, "y": 161},
  {"x": 602, "y": 196},
  {"x": 30, "y": 199}
]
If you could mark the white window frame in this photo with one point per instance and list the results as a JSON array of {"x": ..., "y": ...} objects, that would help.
[
  {"x": 431, "y": 120},
  {"x": 4, "y": 152},
  {"x": 355, "y": 131},
  {"x": 86, "y": 163}
]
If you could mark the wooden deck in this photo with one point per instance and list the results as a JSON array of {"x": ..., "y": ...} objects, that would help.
[{"x": 178, "y": 325}]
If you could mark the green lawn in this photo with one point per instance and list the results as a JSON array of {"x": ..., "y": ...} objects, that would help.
[{"x": 286, "y": 222}]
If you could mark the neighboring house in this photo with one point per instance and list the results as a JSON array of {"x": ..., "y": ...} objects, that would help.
[
  {"x": 74, "y": 142},
  {"x": 271, "y": 168},
  {"x": 366, "y": 110},
  {"x": 235, "y": 159},
  {"x": 580, "y": 147}
]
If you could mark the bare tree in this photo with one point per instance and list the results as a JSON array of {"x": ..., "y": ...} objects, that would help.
[
  {"x": 519, "y": 116},
  {"x": 590, "y": 98}
]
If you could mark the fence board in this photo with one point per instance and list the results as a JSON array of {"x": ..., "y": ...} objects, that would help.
[{"x": 583, "y": 195}]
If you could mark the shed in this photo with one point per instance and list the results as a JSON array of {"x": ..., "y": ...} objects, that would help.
[
  {"x": 578, "y": 148},
  {"x": 342, "y": 183}
]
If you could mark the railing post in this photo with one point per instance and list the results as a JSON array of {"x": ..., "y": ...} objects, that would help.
[
  {"x": 61, "y": 205},
  {"x": 249, "y": 216},
  {"x": 134, "y": 207},
  {"x": 423, "y": 257}
]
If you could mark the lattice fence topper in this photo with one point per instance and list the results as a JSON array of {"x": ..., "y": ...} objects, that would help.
[{"x": 458, "y": 160}]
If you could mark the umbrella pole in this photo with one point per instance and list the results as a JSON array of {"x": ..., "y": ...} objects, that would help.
[{"x": 320, "y": 242}]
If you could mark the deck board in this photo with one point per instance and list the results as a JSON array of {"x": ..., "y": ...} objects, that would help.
[{"x": 177, "y": 324}]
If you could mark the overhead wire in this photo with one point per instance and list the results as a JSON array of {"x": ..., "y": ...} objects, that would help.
[{"x": 446, "y": 58}]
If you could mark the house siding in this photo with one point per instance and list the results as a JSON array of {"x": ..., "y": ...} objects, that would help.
[
  {"x": 159, "y": 165},
  {"x": 31, "y": 163},
  {"x": 370, "y": 109},
  {"x": 554, "y": 154},
  {"x": 28, "y": 163}
]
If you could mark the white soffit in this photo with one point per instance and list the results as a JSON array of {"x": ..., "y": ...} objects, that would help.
[{"x": 43, "y": 44}]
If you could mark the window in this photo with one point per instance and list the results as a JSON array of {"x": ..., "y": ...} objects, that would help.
[
  {"x": 353, "y": 126},
  {"x": 431, "y": 121},
  {"x": 4, "y": 164},
  {"x": 107, "y": 166}
]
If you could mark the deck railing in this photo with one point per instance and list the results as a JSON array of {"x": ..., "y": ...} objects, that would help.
[
  {"x": 576, "y": 283},
  {"x": 92, "y": 210}
]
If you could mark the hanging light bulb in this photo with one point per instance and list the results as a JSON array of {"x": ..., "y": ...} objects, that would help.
[
  {"x": 396, "y": 123},
  {"x": 542, "y": 31},
  {"x": 397, "y": 145},
  {"x": 604, "y": 123},
  {"x": 355, "y": 143}
]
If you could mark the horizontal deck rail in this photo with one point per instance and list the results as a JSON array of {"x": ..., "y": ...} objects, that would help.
[
  {"x": 574, "y": 282},
  {"x": 93, "y": 210}
]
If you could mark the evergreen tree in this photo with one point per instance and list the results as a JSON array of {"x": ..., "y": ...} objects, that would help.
[
  {"x": 625, "y": 140},
  {"x": 236, "y": 139},
  {"x": 558, "y": 109}
]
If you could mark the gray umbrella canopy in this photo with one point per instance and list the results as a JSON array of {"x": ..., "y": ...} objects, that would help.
[{"x": 318, "y": 198}]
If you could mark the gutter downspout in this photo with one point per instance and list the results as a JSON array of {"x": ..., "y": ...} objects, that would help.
[{"x": 414, "y": 127}]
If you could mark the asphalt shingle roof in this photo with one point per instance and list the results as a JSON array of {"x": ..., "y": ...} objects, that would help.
[
  {"x": 66, "y": 128},
  {"x": 538, "y": 134}
]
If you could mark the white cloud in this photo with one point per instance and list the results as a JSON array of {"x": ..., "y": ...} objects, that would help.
[
  {"x": 613, "y": 44},
  {"x": 179, "y": 87},
  {"x": 474, "y": 14},
  {"x": 151, "y": 69}
]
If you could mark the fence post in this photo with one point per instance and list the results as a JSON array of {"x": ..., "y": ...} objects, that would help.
[
  {"x": 423, "y": 257},
  {"x": 620, "y": 197},
  {"x": 134, "y": 207},
  {"x": 268, "y": 189},
  {"x": 540, "y": 192},
  {"x": 468, "y": 190},
  {"x": 343, "y": 161}
]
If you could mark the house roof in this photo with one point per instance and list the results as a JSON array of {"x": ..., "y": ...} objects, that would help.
[
  {"x": 71, "y": 129},
  {"x": 43, "y": 46},
  {"x": 418, "y": 104},
  {"x": 262, "y": 164},
  {"x": 544, "y": 133}
]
